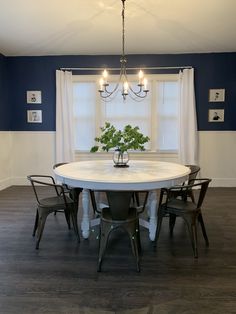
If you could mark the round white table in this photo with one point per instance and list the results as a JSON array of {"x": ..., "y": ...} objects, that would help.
[{"x": 139, "y": 176}]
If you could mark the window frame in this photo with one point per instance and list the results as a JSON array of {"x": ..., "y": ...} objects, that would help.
[{"x": 166, "y": 155}]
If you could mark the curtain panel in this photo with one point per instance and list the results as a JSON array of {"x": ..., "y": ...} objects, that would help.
[
  {"x": 188, "y": 135},
  {"x": 64, "y": 117}
]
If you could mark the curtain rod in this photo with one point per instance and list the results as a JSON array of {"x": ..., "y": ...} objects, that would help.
[{"x": 117, "y": 69}]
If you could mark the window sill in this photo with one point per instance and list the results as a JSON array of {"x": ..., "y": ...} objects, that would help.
[{"x": 147, "y": 155}]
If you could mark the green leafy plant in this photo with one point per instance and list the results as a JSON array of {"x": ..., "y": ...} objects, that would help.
[{"x": 128, "y": 138}]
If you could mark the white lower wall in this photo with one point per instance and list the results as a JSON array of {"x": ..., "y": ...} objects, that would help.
[
  {"x": 6, "y": 158},
  {"x": 217, "y": 156},
  {"x": 24, "y": 153},
  {"x": 33, "y": 153}
]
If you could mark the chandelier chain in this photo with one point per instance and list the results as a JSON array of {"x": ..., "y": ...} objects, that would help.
[{"x": 123, "y": 28}]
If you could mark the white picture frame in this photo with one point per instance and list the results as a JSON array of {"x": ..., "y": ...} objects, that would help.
[
  {"x": 34, "y": 97},
  {"x": 217, "y": 95},
  {"x": 34, "y": 116},
  {"x": 216, "y": 115}
]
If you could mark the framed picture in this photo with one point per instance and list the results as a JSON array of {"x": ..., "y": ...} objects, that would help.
[
  {"x": 34, "y": 116},
  {"x": 34, "y": 97},
  {"x": 217, "y": 95},
  {"x": 216, "y": 115}
]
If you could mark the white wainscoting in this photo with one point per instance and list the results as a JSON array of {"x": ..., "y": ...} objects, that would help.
[
  {"x": 217, "y": 156},
  {"x": 6, "y": 159},
  {"x": 24, "y": 153}
]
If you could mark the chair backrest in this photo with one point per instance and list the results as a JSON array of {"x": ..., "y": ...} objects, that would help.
[
  {"x": 194, "y": 171},
  {"x": 59, "y": 164},
  {"x": 119, "y": 204},
  {"x": 44, "y": 180},
  {"x": 201, "y": 186}
]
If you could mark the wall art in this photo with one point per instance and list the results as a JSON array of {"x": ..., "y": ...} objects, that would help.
[
  {"x": 216, "y": 115},
  {"x": 34, "y": 97},
  {"x": 217, "y": 95},
  {"x": 34, "y": 116}
]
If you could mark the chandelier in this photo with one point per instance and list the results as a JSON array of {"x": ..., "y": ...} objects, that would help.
[{"x": 126, "y": 88}]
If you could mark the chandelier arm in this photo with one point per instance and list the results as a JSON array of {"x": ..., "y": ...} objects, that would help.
[
  {"x": 136, "y": 98},
  {"x": 106, "y": 93},
  {"x": 141, "y": 93}
]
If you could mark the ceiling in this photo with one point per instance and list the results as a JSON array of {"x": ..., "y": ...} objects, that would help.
[{"x": 72, "y": 27}]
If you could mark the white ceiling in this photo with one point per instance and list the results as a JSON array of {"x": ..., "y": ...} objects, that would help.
[{"x": 60, "y": 27}]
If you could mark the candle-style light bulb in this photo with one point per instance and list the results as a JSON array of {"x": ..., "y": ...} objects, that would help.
[
  {"x": 140, "y": 75},
  {"x": 105, "y": 75},
  {"x": 126, "y": 87},
  {"x": 101, "y": 82},
  {"x": 145, "y": 84}
]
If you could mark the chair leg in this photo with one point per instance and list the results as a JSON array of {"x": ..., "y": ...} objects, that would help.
[
  {"x": 191, "y": 195},
  {"x": 67, "y": 215},
  {"x": 192, "y": 229},
  {"x": 138, "y": 237},
  {"x": 134, "y": 244},
  {"x": 200, "y": 219},
  {"x": 172, "y": 220},
  {"x": 158, "y": 229},
  {"x": 105, "y": 230},
  {"x": 136, "y": 198},
  {"x": 36, "y": 223},
  {"x": 75, "y": 221},
  {"x": 194, "y": 232},
  {"x": 41, "y": 224}
]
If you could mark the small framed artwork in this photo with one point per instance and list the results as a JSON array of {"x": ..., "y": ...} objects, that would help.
[
  {"x": 34, "y": 116},
  {"x": 217, "y": 95},
  {"x": 34, "y": 97},
  {"x": 216, "y": 115}
]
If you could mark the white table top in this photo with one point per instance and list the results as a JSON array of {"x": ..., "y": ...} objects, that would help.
[{"x": 140, "y": 175}]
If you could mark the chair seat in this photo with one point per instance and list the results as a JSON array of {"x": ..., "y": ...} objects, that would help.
[
  {"x": 56, "y": 201},
  {"x": 179, "y": 206}
]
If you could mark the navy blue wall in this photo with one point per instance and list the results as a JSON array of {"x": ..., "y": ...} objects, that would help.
[
  {"x": 38, "y": 73},
  {"x": 4, "y": 104}
]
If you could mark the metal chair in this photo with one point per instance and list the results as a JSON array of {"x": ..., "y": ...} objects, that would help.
[
  {"x": 191, "y": 212},
  {"x": 58, "y": 200},
  {"x": 119, "y": 214}
]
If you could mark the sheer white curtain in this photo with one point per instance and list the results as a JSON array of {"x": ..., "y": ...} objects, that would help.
[
  {"x": 188, "y": 136},
  {"x": 64, "y": 117}
]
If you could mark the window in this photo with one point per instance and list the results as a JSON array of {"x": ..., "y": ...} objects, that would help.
[{"x": 156, "y": 115}]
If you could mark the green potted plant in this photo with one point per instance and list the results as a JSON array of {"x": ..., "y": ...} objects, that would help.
[{"x": 130, "y": 138}]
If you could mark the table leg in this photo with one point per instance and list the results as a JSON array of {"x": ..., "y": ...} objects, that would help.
[
  {"x": 85, "y": 219},
  {"x": 152, "y": 212}
]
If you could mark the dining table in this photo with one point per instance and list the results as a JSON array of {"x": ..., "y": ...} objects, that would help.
[{"x": 140, "y": 175}]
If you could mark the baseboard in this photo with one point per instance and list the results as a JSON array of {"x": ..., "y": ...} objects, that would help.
[
  {"x": 5, "y": 183},
  {"x": 223, "y": 182},
  {"x": 20, "y": 181}
]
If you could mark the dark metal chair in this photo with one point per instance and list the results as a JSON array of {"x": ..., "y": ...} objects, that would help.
[
  {"x": 190, "y": 211},
  {"x": 58, "y": 200},
  {"x": 119, "y": 214}
]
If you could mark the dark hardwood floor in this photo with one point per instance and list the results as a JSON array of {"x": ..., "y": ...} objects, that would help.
[{"x": 61, "y": 276}]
